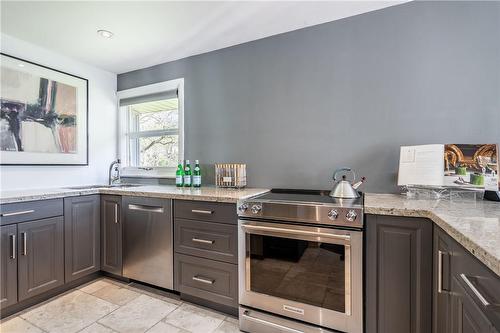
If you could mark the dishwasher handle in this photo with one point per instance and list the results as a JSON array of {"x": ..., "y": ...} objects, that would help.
[{"x": 144, "y": 208}]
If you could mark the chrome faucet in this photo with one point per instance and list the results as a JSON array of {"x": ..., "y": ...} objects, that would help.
[{"x": 114, "y": 166}]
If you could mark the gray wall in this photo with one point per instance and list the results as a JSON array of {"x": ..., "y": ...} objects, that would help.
[{"x": 346, "y": 93}]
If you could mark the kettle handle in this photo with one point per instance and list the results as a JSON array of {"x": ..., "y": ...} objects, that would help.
[{"x": 344, "y": 169}]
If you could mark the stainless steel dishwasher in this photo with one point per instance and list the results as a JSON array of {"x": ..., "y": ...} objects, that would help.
[{"x": 147, "y": 241}]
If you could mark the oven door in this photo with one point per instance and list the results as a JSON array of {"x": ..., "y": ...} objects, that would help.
[{"x": 312, "y": 274}]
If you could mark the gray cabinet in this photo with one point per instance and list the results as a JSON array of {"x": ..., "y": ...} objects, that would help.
[
  {"x": 30, "y": 210},
  {"x": 463, "y": 287},
  {"x": 398, "y": 274},
  {"x": 8, "y": 268},
  {"x": 40, "y": 256},
  {"x": 82, "y": 236},
  {"x": 207, "y": 279},
  {"x": 111, "y": 234},
  {"x": 206, "y": 239},
  {"x": 474, "y": 294},
  {"x": 206, "y": 244},
  {"x": 442, "y": 257},
  {"x": 466, "y": 316},
  {"x": 206, "y": 211}
]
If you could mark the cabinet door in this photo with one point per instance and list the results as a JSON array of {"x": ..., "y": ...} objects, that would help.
[
  {"x": 443, "y": 246},
  {"x": 8, "y": 273},
  {"x": 41, "y": 256},
  {"x": 81, "y": 235},
  {"x": 466, "y": 317},
  {"x": 111, "y": 234},
  {"x": 399, "y": 275}
]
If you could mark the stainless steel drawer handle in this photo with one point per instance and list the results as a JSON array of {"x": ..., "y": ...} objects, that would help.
[
  {"x": 17, "y": 213},
  {"x": 200, "y": 211},
  {"x": 143, "y": 208},
  {"x": 13, "y": 246},
  {"x": 271, "y": 324},
  {"x": 203, "y": 280},
  {"x": 204, "y": 241},
  {"x": 116, "y": 213},
  {"x": 474, "y": 290},
  {"x": 25, "y": 243},
  {"x": 440, "y": 271}
]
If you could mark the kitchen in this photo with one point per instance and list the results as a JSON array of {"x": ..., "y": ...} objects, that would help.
[{"x": 270, "y": 106}]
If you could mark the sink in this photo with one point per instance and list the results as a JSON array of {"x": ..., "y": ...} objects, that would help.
[
  {"x": 89, "y": 187},
  {"x": 121, "y": 185}
]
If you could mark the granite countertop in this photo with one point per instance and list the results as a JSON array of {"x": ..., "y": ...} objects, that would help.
[
  {"x": 205, "y": 193},
  {"x": 473, "y": 224}
]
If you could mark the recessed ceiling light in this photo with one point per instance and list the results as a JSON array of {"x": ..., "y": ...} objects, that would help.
[
  {"x": 20, "y": 64},
  {"x": 105, "y": 33}
]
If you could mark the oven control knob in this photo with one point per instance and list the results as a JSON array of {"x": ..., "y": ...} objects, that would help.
[
  {"x": 243, "y": 208},
  {"x": 333, "y": 214},
  {"x": 351, "y": 216},
  {"x": 256, "y": 209}
]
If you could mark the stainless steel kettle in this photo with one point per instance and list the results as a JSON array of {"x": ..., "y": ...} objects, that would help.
[{"x": 343, "y": 188}]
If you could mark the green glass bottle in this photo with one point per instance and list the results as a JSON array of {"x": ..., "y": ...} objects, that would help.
[
  {"x": 187, "y": 174},
  {"x": 197, "y": 174},
  {"x": 179, "y": 175}
]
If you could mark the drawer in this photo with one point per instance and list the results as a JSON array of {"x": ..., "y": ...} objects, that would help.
[
  {"x": 207, "y": 279},
  {"x": 30, "y": 210},
  {"x": 479, "y": 282},
  {"x": 206, "y": 239},
  {"x": 206, "y": 211}
]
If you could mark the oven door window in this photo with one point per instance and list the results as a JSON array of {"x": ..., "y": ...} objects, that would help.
[{"x": 300, "y": 270}]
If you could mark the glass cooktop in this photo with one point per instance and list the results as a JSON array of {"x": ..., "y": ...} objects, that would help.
[{"x": 306, "y": 196}]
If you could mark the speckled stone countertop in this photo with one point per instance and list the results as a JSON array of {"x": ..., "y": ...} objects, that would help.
[
  {"x": 473, "y": 224},
  {"x": 205, "y": 193}
]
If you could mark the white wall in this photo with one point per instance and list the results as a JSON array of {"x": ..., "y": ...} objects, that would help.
[{"x": 102, "y": 123}]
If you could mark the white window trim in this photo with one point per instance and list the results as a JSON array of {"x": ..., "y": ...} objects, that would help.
[{"x": 123, "y": 146}]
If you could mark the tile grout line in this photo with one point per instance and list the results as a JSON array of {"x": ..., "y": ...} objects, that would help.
[
  {"x": 162, "y": 319},
  {"x": 222, "y": 322},
  {"x": 29, "y": 322},
  {"x": 120, "y": 306}
]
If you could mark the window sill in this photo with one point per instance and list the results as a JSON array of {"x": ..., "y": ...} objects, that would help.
[
  {"x": 155, "y": 173},
  {"x": 146, "y": 176}
]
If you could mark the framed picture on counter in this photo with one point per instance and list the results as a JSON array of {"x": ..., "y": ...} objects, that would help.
[{"x": 44, "y": 115}]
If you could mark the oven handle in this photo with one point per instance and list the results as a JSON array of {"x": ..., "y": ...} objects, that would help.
[{"x": 345, "y": 238}]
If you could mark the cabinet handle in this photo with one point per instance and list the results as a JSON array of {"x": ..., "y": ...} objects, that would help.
[
  {"x": 204, "y": 241},
  {"x": 150, "y": 209},
  {"x": 440, "y": 271},
  {"x": 116, "y": 213},
  {"x": 199, "y": 211},
  {"x": 17, "y": 213},
  {"x": 13, "y": 246},
  {"x": 203, "y": 280},
  {"x": 474, "y": 290},
  {"x": 25, "y": 244}
]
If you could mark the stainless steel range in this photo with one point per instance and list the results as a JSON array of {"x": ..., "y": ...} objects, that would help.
[{"x": 300, "y": 262}]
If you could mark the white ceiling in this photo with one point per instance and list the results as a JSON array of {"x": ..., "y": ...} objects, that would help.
[{"x": 149, "y": 33}]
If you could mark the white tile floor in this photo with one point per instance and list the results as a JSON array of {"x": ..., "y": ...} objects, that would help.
[{"x": 110, "y": 306}]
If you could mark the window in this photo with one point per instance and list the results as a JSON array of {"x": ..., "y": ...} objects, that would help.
[{"x": 151, "y": 138}]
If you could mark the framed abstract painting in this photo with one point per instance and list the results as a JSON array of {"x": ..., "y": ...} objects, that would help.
[{"x": 44, "y": 115}]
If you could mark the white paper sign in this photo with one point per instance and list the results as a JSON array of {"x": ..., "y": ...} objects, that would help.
[{"x": 421, "y": 165}]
